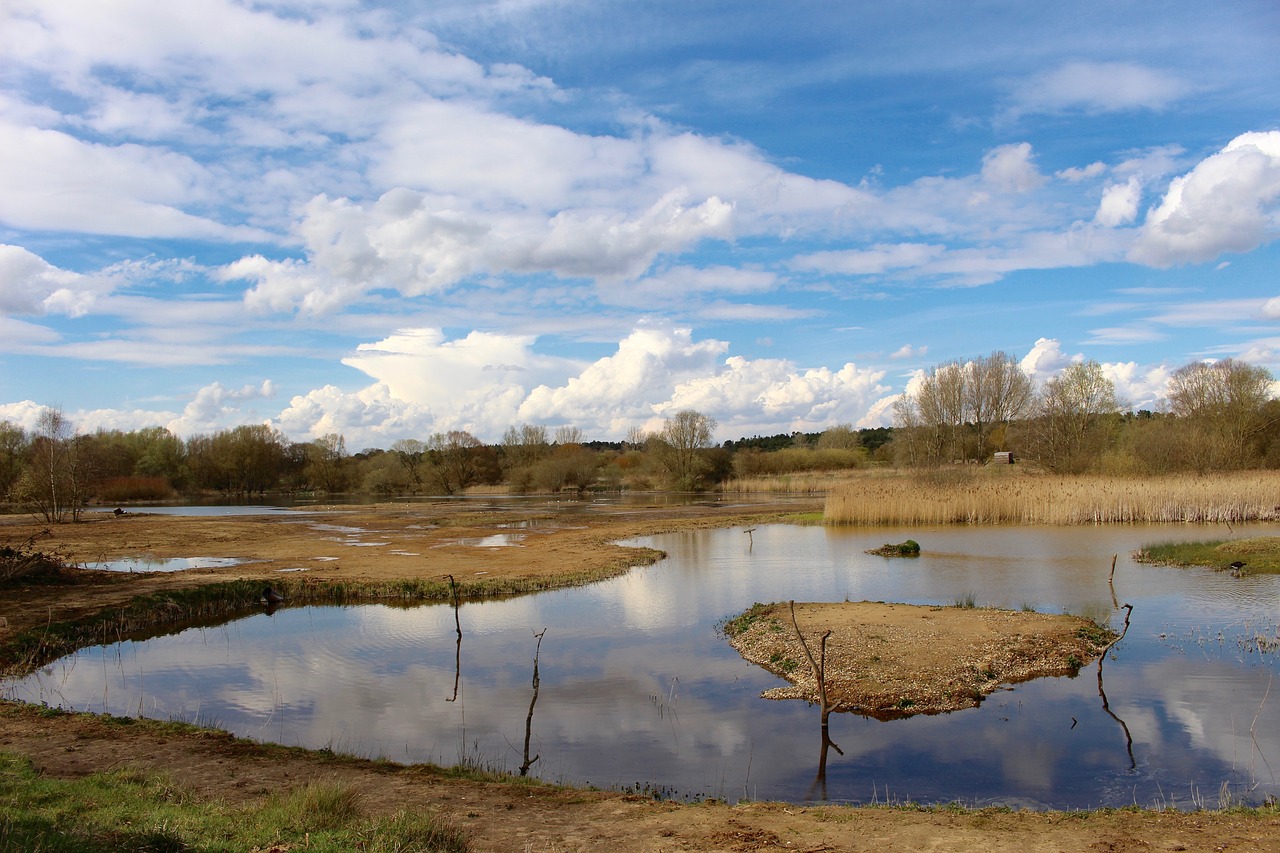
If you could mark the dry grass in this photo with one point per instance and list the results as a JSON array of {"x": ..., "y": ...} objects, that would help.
[
  {"x": 801, "y": 483},
  {"x": 1011, "y": 496}
]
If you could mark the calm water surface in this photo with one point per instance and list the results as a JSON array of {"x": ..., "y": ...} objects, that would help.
[{"x": 638, "y": 688}]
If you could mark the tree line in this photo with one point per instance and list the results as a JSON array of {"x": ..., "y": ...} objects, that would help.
[
  {"x": 1218, "y": 416},
  {"x": 55, "y": 471}
]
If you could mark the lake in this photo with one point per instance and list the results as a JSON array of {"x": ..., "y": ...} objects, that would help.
[{"x": 639, "y": 690}]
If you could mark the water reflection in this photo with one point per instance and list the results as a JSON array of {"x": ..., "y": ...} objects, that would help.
[{"x": 638, "y": 688}]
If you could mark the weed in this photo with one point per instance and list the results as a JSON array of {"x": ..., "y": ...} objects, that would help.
[{"x": 743, "y": 621}]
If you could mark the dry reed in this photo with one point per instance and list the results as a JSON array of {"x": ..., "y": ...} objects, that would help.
[
  {"x": 962, "y": 496},
  {"x": 801, "y": 483}
]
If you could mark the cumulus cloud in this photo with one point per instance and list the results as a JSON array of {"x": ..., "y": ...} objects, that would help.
[
  {"x": 475, "y": 383},
  {"x": 1098, "y": 87},
  {"x": 31, "y": 285},
  {"x": 217, "y": 407},
  {"x": 1119, "y": 204},
  {"x": 418, "y": 244},
  {"x": 1046, "y": 359},
  {"x": 485, "y": 383},
  {"x": 1230, "y": 202},
  {"x": 765, "y": 395},
  {"x": 621, "y": 390}
]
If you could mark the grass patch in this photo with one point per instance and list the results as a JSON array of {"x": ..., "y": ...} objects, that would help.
[
  {"x": 736, "y": 625},
  {"x": 1261, "y": 555},
  {"x": 129, "y": 811}
]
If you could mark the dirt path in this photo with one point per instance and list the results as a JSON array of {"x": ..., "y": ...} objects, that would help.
[{"x": 499, "y": 815}]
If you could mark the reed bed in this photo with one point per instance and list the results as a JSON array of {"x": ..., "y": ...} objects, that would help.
[
  {"x": 800, "y": 483},
  {"x": 985, "y": 497}
]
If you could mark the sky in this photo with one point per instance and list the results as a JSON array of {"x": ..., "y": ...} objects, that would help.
[{"x": 389, "y": 219}]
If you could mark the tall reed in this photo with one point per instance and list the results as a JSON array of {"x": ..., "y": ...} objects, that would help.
[{"x": 962, "y": 496}]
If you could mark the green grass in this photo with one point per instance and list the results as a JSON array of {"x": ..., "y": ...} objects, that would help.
[
  {"x": 736, "y": 625},
  {"x": 1260, "y": 554},
  {"x": 129, "y": 811}
]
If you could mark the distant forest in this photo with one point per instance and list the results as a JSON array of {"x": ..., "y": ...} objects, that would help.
[{"x": 1219, "y": 416}]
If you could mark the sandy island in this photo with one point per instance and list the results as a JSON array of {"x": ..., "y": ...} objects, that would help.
[
  {"x": 379, "y": 550},
  {"x": 896, "y": 660}
]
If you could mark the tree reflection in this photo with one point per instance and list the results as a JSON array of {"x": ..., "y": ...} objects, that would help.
[
  {"x": 1106, "y": 706},
  {"x": 528, "y": 720},
  {"x": 457, "y": 657}
]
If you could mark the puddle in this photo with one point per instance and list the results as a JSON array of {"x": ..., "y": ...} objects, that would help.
[
  {"x": 497, "y": 540},
  {"x": 171, "y": 564}
]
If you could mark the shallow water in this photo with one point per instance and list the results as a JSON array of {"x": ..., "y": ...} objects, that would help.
[
  {"x": 638, "y": 688},
  {"x": 163, "y": 564}
]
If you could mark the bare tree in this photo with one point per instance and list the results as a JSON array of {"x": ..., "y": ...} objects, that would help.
[
  {"x": 1222, "y": 406},
  {"x": 455, "y": 455},
  {"x": 54, "y": 481},
  {"x": 327, "y": 463},
  {"x": 684, "y": 437},
  {"x": 566, "y": 435},
  {"x": 996, "y": 392},
  {"x": 1065, "y": 434},
  {"x": 412, "y": 457}
]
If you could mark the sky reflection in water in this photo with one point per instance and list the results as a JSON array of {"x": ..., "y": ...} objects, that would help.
[{"x": 638, "y": 687}]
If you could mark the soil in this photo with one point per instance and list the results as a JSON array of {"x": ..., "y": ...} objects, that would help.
[
  {"x": 498, "y": 815},
  {"x": 890, "y": 661}
]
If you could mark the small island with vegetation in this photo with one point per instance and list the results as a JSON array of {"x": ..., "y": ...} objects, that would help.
[{"x": 890, "y": 661}]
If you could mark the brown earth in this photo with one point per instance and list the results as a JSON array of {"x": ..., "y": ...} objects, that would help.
[
  {"x": 498, "y": 815},
  {"x": 896, "y": 660}
]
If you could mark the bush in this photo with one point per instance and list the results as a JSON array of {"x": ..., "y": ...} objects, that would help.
[{"x": 25, "y": 563}]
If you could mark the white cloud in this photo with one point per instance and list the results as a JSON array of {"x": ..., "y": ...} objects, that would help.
[
  {"x": 475, "y": 383},
  {"x": 772, "y": 395},
  {"x": 622, "y": 390},
  {"x": 906, "y": 351},
  {"x": 1139, "y": 386},
  {"x": 31, "y": 285},
  {"x": 52, "y": 181},
  {"x": 1009, "y": 168},
  {"x": 1099, "y": 87},
  {"x": 878, "y": 259},
  {"x": 1119, "y": 205},
  {"x": 1227, "y": 203},
  {"x": 1046, "y": 359},
  {"x": 216, "y": 407},
  {"x": 1078, "y": 174}
]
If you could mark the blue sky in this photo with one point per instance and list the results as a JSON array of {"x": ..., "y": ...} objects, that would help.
[{"x": 390, "y": 219}]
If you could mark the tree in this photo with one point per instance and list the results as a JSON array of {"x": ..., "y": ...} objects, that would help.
[
  {"x": 13, "y": 447},
  {"x": 568, "y": 435},
  {"x": 1222, "y": 406},
  {"x": 55, "y": 479},
  {"x": 996, "y": 392},
  {"x": 839, "y": 437},
  {"x": 1064, "y": 434},
  {"x": 412, "y": 456},
  {"x": 524, "y": 445},
  {"x": 327, "y": 463},
  {"x": 684, "y": 437},
  {"x": 456, "y": 460},
  {"x": 246, "y": 460}
]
